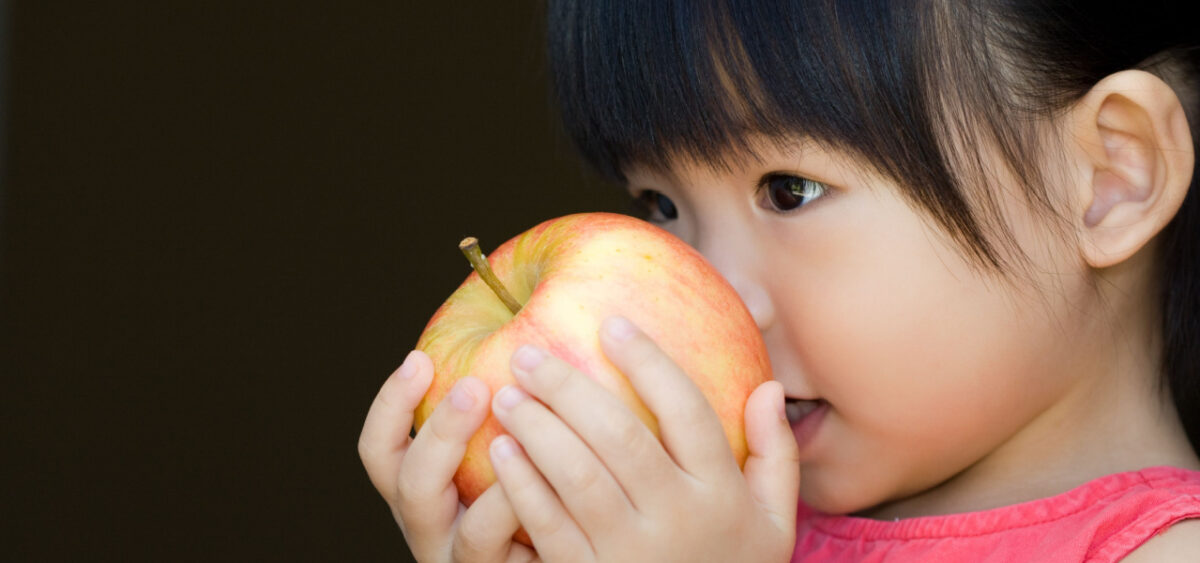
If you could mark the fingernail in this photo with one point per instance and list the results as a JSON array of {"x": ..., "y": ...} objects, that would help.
[
  {"x": 619, "y": 329},
  {"x": 528, "y": 357},
  {"x": 503, "y": 447},
  {"x": 509, "y": 397},
  {"x": 461, "y": 397},
  {"x": 408, "y": 368}
]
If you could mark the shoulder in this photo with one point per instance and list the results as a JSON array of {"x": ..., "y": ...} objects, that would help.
[{"x": 1180, "y": 542}]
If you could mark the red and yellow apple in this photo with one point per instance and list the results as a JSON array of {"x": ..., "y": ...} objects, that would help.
[{"x": 568, "y": 274}]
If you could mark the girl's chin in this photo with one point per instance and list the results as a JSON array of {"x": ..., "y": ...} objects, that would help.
[{"x": 836, "y": 495}]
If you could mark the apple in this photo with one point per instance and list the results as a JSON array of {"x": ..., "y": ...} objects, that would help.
[{"x": 553, "y": 285}]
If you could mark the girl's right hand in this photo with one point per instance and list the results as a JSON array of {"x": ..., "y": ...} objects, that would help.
[{"x": 414, "y": 475}]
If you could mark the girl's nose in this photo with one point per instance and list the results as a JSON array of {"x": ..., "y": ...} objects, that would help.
[
  {"x": 757, "y": 301},
  {"x": 733, "y": 266}
]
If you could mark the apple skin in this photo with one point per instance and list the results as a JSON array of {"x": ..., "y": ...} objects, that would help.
[{"x": 571, "y": 273}]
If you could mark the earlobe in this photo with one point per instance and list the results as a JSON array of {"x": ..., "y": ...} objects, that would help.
[{"x": 1137, "y": 153}]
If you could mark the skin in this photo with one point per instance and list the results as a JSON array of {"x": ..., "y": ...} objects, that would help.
[
  {"x": 940, "y": 378},
  {"x": 951, "y": 389}
]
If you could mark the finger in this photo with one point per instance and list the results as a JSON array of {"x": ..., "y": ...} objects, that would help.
[
  {"x": 773, "y": 468},
  {"x": 427, "y": 500},
  {"x": 555, "y": 535},
  {"x": 619, "y": 439},
  {"x": 689, "y": 427},
  {"x": 585, "y": 486},
  {"x": 485, "y": 530},
  {"x": 384, "y": 436}
]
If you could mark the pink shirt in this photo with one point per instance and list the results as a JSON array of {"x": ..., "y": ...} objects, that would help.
[{"x": 1102, "y": 520}]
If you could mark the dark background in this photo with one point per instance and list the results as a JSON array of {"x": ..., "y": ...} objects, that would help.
[{"x": 222, "y": 225}]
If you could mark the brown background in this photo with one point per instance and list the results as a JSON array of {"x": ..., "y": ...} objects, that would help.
[{"x": 221, "y": 226}]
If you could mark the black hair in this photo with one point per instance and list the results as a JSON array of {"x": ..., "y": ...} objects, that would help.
[{"x": 904, "y": 85}]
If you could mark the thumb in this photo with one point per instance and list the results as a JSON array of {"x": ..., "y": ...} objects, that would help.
[{"x": 773, "y": 468}]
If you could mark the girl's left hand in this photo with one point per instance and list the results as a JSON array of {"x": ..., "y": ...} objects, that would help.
[{"x": 590, "y": 482}]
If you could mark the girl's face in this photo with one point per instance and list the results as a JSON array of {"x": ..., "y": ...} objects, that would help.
[{"x": 904, "y": 362}]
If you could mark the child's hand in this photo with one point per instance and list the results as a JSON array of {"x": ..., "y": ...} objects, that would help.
[
  {"x": 593, "y": 483},
  {"x": 414, "y": 476}
]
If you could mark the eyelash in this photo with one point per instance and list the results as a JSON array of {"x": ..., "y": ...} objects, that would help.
[
  {"x": 658, "y": 208},
  {"x": 655, "y": 207},
  {"x": 771, "y": 181}
]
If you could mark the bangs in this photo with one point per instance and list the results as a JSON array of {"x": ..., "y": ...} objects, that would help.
[{"x": 643, "y": 83}]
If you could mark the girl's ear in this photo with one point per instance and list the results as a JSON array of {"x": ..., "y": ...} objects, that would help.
[{"x": 1136, "y": 159}]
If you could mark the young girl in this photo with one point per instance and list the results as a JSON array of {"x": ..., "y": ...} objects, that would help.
[{"x": 969, "y": 236}]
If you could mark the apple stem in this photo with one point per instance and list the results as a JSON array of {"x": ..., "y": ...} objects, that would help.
[{"x": 470, "y": 248}]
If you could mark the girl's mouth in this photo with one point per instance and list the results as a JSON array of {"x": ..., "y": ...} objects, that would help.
[
  {"x": 805, "y": 416},
  {"x": 797, "y": 409}
]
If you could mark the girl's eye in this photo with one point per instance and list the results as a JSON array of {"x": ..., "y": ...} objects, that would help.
[
  {"x": 658, "y": 206},
  {"x": 788, "y": 192}
]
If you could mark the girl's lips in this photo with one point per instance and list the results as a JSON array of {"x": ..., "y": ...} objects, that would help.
[{"x": 805, "y": 417}]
